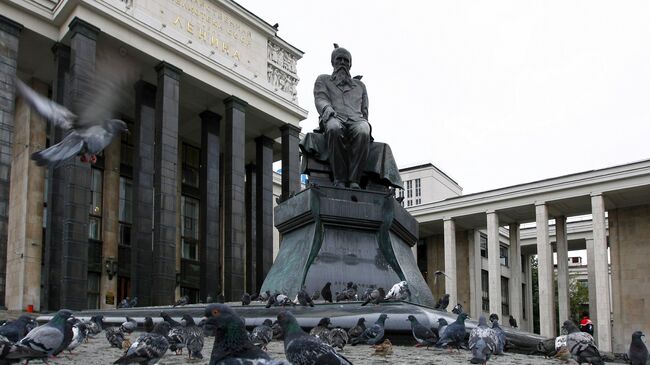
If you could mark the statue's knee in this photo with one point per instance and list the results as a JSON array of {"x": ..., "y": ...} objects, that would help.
[{"x": 333, "y": 126}]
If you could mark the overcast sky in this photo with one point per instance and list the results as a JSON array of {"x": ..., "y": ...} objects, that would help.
[{"x": 494, "y": 93}]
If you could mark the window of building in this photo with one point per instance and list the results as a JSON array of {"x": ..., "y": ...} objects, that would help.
[
  {"x": 503, "y": 255},
  {"x": 125, "y": 211},
  {"x": 191, "y": 164},
  {"x": 190, "y": 228},
  {"x": 400, "y": 194},
  {"x": 485, "y": 291},
  {"x": 409, "y": 188},
  {"x": 523, "y": 300},
  {"x": 523, "y": 264},
  {"x": 95, "y": 209},
  {"x": 126, "y": 147},
  {"x": 418, "y": 190},
  {"x": 483, "y": 242},
  {"x": 93, "y": 290},
  {"x": 505, "y": 296}
]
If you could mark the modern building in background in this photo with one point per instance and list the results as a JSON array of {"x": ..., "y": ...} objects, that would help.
[{"x": 183, "y": 205}]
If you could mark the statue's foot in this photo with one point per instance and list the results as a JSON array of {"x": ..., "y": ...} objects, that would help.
[
  {"x": 339, "y": 184},
  {"x": 355, "y": 186}
]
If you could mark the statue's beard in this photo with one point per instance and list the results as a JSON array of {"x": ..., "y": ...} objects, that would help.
[{"x": 341, "y": 76}]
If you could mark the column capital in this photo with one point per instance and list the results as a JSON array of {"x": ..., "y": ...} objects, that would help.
[
  {"x": 264, "y": 141},
  {"x": 445, "y": 219},
  {"x": 595, "y": 194},
  {"x": 291, "y": 129},
  {"x": 234, "y": 102},
  {"x": 61, "y": 50},
  {"x": 168, "y": 69},
  {"x": 79, "y": 26},
  {"x": 210, "y": 116},
  {"x": 538, "y": 203},
  {"x": 146, "y": 89},
  {"x": 10, "y": 26},
  {"x": 491, "y": 211}
]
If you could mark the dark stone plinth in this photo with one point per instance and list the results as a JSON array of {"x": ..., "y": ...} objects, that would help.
[{"x": 340, "y": 235}]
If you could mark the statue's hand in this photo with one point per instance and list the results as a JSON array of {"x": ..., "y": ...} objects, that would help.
[{"x": 328, "y": 112}]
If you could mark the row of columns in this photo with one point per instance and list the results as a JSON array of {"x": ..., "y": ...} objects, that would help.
[
  {"x": 155, "y": 190},
  {"x": 598, "y": 271}
]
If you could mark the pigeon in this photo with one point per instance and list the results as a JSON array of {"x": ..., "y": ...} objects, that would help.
[
  {"x": 262, "y": 334},
  {"x": 148, "y": 348},
  {"x": 209, "y": 299},
  {"x": 133, "y": 303},
  {"x": 304, "y": 299},
  {"x": 79, "y": 333},
  {"x": 283, "y": 300},
  {"x": 454, "y": 333},
  {"x": 254, "y": 296},
  {"x": 17, "y": 329},
  {"x": 321, "y": 329},
  {"x": 357, "y": 330},
  {"x": 366, "y": 294},
  {"x": 129, "y": 325},
  {"x": 95, "y": 325},
  {"x": 638, "y": 352},
  {"x": 337, "y": 338},
  {"x": 458, "y": 309},
  {"x": 423, "y": 335},
  {"x": 501, "y": 335},
  {"x": 271, "y": 301},
  {"x": 326, "y": 292},
  {"x": 278, "y": 334},
  {"x": 437, "y": 274},
  {"x": 184, "y": 300},
  {"x": 383, "y": 349},
  {"x": 302, "y": 349},
  {"x": 512, "y": 321},
  {"x": 231, "y": 343},
  {"x": 581, "y": 345},
  {"x": 193, "y": 337},
  {"x": 399, "y": 291},
  {"x": 442, "y": 326},
  {"x": 264, "y": 296},
  {"x": 176, "y": 338},
  {"x": 89, "y": 132},
  {"x": 148, "y": 324},
  {"x": 68, "y": 333},
  {"x": 442, "y": 303},
  {"x": 373, "y": 334},
  {"x": 316, "y": 295},
  {"x": 41, "y": 342},
  {"x": 483, "y": 342},
  {"x": 349, "y": 293},
  {"x": 124, "y": 303},
  {"x": 494, "y": 317},
  {"x": 245, "y": 299},
  {"x": 115, "y": 336},
  {"x": 376, "y": 297},
  {"x": 172, "y": 323}
]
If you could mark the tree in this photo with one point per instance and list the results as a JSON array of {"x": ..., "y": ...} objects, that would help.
[{"x": 578, "y": 298}]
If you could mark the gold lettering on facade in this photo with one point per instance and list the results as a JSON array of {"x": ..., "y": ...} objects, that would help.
[{"x": 190, "y": 28}]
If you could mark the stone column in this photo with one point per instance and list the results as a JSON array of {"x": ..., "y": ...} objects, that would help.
[
  {"x": 545, "y": 272},
  {"x": 494, "y": 263},
  {"x": 209, "y": 249},
  {"x": 9, "y": 34},
  {"x": 515, "y": 273},
  {"x": 529, "y": 294},
  {"x": 562, "y": 269},
  {"x": 165, "y": 184},
  {"x": 264, "y": 209},
  {"x": 25, "y": 234},
  {"x": 475, "y": 296},
  {"x": 233, "y": 202},
  {"x": 251, "y": 227},
  {"x": 143, "y": 172},
  {"x": 76, "y": 175},
  {"x": 601, "y": 265},
  {"x": 450, "y": 261},
  {"x": 110, "y": 219},
  {"x": 290, "y": 160}
]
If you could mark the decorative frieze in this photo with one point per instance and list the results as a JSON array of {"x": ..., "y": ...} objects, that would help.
[{"x": 282, "y": 73}]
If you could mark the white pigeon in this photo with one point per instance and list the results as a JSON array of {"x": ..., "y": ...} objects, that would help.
[{"x": 399, "y": 291}]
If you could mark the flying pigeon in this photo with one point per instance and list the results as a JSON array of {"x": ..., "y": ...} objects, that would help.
[
  {"x": 581, "y": 345},
  {"x": 512, "y": 321},
  {"x": 245, "y": 299},
  {"x": 321, "y": 330},
  {"x": 302, "y": 349},
  {"x": 231, "y": 344},
  {"x": 193, "y": 337},
  {"x": 438, "y": 273},
  {"x": 454, "y": 333},
  {"x": 41, "y": 342},
  {"x": 337, "y": 338},
  {"x": 376, "y": 297},
  {"x": 482, "y": 342},
  {"x": 442, "y": 303},
  {"x": 89, "y": 132},
  {"x": 423, "y": 335},
  {"x": 262, "y": 334},
  {"x": 373, "y": 334},
  {"x": 18, "y": 328},
  {"x": 357, "y": 330},
  {"x": 148, "y": 324},
  {"x": 326, "y": 292},
  {"x": 501, "y": 335},
  {"x": 148, "y": 348},
  {"x": 638, "y": 352}
]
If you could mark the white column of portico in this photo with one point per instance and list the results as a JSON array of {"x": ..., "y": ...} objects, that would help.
[
  {"x": 475, "y": 297},
  {"x": 529, "y": 295},
  {"x": 544, "y": 272},
  {"x": 494, "y": 263},
  {"x": 601, "y": 265},
  {"x": 515, "y": 273},
  {"x": 562, "y": 269},
  {"x": 450, "y": 260}
]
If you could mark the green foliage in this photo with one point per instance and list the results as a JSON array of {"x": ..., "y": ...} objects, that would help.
[
  {"x": 578, "y": 298},
  {"x": 535, "y": 286}
]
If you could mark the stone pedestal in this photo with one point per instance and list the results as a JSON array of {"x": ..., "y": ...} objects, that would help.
[{"x": 339, "y": 235}]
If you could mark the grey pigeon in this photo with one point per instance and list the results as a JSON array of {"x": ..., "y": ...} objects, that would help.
[
  {"x": 283, "y": 300},
  {"x": 454, "y": 334},
  {"x": 366, "y": 294},
  {"x": 442, "y": 303},
  {"x": 278, "y": 334},
  {"x": 42, "y": 341},
  {"x": 512, "y": 321},
  {"x": 184, "y": 300},
  {"x": 262, "y": 335},
  {"x": 638, "y": 352},
  {"x": 133, "y": 303},
  {"x": 302, "y": 349},
  {"x": 442, "y": 326},
  {"x": 68, "y": 334},
  {"x": 232, "y": 344},
  {"x": 129, "y": 325},
  {"x": 357, "y": 330},
  {"x": 304, "y": 299},
  {"x": 482, "y": 342},
  {"x": 316, "y": 295},
  {"x": 458, "y": 309},
  {"x": 17, "y": 329},
  {"x": 437, "y": 274},
  {"x": 115, "y": 337},
  {"x": 89, "y": 133},
  {"x": 399, "y": 291},
  {"x": 581, "y": 345},
  {"x": 95, "y": 325},
  {"x": 148, "y": 324},
  {"x": 148, "y": 348},
  {"x": 176, "y": 338},
  {"x": 348, "y": 293},
  {"x": 194, "y": 338},
  {"x": 79, "y": 333},
  {"x": 271, "y": 301},
  {"x": 167, "y": 318},
  {"x": 321, "y": 329},
  {"x": 245, "y": 299},
  {"x": 374, "y": 334},
  {"x": 337, "y": 338},
  {"x": 501, "y": 335},
  {"x": 423, "y": 335},
  {"x": 493, "y": 317},
  {"x": 125, "y": 303},
  {"x": 375, "y": 297},
  {"x": 326, "y": 292}
]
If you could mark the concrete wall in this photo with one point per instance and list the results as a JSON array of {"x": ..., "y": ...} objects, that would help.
[{"x": 629, "y": 239}]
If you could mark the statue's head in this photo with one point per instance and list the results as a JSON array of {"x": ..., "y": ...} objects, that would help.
[{"x": 341, "y": 57}]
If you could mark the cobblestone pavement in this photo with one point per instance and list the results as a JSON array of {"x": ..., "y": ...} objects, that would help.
[{"x": 98, "y": 351}]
